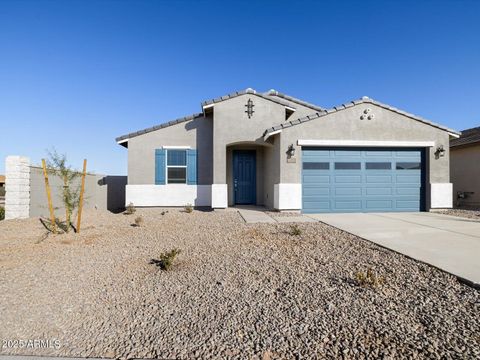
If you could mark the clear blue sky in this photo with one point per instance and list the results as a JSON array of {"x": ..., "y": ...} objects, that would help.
[{"x": 75, "y": 75}]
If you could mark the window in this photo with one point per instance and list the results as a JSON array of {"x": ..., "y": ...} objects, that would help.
[
  {"x": 347, "y": 166},
  {"x": 378, "y": 166},
  {"x": 176, "y": 166},
  {"x": 316, "y": 166},
  {"x": 408, "y": 166}
]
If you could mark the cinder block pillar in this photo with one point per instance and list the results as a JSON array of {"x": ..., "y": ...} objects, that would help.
[{"x": 17, "y": 187}]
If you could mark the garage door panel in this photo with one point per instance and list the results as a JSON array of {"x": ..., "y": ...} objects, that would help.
[
  {"x": 352, "y": 179},
  {"x": 362, "y": 180},
  {"x": 415, "y": 191},
  {"x": 348, "y": 204},
  {"x": 323, "y": 204},
  {"x": 410, "y": 179},
  {"x": 348, "y": 191},
  {"x": 316, "y": 191},
  {"x": 344, "y": 153},
  {"x": 378, "y": 179},
  {"x": 316, "y": 179},
  {"x": 378, "y": 204},
  {"x": 376, "y": 154},
  {"x": 408, "y": 204},
  {"x": 379, "y": 191}
]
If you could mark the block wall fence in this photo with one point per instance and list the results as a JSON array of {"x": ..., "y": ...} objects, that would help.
[{"x": 26, "y": 195}]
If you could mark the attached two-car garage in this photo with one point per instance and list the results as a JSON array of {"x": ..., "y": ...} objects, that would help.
[{"x": 363, "y": 179}]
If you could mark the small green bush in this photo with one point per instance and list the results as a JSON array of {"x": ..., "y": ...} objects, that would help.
[
  {"x": 369, "y": 278},
  {"x": 166, "y": 259},
  {"x": 130, "y": 209},
  {"x": 2, "y": 213},
  {"x": 295, "y": 230},
  {"x": 188, "y": 208}
]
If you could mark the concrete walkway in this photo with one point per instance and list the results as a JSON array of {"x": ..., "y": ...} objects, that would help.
[
  {"x": 256, "y": 214},
  {"x": 446, "y": 242}
]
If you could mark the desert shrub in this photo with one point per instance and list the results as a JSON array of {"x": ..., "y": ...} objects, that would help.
[
  {"x": 167, "y": 258},
  {"x": 2, "y": 213},
  {"x": 188, "y": 208},
  {"x": 369, "y": 278},
  {"x": 138, "y": 221},
  {"x": 70, "y": 195},
  {"x": 130, "y": 209},
  {"x": 295, "y": 230}
]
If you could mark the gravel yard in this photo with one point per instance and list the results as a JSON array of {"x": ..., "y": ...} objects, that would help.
[
  {"x": 465, "y": 213},
  {"x": 238, "y": 291}
]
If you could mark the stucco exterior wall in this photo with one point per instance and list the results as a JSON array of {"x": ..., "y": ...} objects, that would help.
[
  {"x": 346, "y": 125},
  {"x": 196, "y": 133},
  {"x": 465, "y": 173},
  {"x": 231, "y": 126}
]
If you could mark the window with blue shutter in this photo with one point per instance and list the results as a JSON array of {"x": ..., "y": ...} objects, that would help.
[
  {"x": 174, "y": 166},
  {"x": 192, "y": 167},
  {"x": 159, "y": 167}
]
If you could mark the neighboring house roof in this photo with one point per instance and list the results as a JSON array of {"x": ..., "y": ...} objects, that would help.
[
  {"x": 363, "y": 100},
  {"x": 243, "y": 92},
  {"x": 161, "y": 126},
  {"x": 292, "y": 99},
  {"x": 2, "y": 179},
  {"x": 469, "y": 136}
]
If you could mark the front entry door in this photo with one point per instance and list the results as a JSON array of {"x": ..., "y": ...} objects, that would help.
[{"x": 244, "y": 177}]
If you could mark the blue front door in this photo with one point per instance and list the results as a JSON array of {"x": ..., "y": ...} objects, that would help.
[{"x": 244, "y": 176}]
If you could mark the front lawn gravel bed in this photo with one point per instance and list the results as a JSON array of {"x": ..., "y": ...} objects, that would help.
[{"x": 237, "y": 291}]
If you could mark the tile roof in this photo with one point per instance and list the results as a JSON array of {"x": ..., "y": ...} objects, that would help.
[
  {"x": 363, "y": 100},
  {"x": 161, "y": 126},
  {"x": 243, "y": 92},
  {"x": 469, "y": 136},
  {"x": 292, "y": 99}
]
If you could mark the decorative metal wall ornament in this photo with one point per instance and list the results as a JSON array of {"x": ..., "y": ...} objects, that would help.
[
  {"x": 366, "y": 115},
  {"x": 249, "y": 107}
]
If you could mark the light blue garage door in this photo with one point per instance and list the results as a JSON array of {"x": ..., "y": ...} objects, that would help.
[{"x": 362, "y": 180}]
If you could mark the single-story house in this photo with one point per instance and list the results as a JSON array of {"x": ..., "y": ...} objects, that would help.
[
  {"x": 465, "y": 168},
  {"x": 275, "y": 150}
]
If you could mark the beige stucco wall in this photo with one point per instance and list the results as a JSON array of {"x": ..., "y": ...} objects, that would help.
[
  {"x": 346, "y": 125},
  {"x": 465, "y": 173},
  {"x": 196, "y": 133},
  {"x": 232, "y": 125}
]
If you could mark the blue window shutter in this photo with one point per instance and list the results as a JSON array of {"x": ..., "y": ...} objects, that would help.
[
  {"x": 159, "y": 167},
  {"x": 191, "y": 167}
]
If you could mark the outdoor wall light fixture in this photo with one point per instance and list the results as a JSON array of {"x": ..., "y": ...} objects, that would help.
[
  {"x": 440, "y": 152},
  {"x": 291, "y": 150}
]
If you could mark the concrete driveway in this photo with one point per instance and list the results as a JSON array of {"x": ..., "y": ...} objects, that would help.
[{"x": 446, "y": 242}]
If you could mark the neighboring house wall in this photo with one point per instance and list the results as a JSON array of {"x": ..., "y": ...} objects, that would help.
[
  {"x": 465, "y": 173},
  {"x": 386, "y": 126},
  {"x": 26, "y": 195}
]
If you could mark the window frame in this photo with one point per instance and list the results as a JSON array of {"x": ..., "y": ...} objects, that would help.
[{"x": 176, "y": 166}]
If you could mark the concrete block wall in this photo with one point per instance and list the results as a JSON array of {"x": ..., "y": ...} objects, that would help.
[
  {"x": 26, "y": 195},
  {"x": 17, "y": 187}
]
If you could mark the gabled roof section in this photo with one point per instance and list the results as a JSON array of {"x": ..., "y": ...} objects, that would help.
[
  {"x": 124, "y": 138},
  {"x": 292, "y": 99},
  {"x": 469, "y": 136},
  {"x": 244, "y": 92},
  {"x": 363, "y": 100}
]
